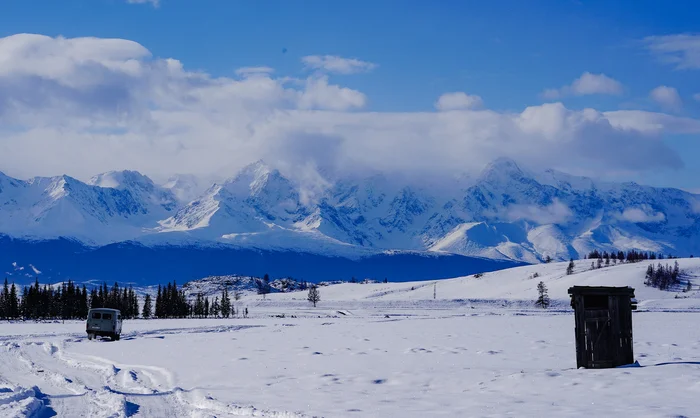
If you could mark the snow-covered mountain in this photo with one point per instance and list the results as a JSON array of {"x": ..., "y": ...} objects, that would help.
[
  {"x": 111, "y": 207},
  {"x": 504, "y": 213}
]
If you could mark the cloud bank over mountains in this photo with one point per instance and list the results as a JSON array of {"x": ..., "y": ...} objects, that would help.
[{"x": 82, "y": 106}]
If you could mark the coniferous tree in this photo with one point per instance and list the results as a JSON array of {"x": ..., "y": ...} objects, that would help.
[
  {"x": 599, "y": 264},
  {"x": 570, "y": 267},
  {"x": 159, "y": 301},
  {"x": 146, "y": 314},
  {"x": 206, "y": 307},
  {"x": 649, "y": 278},
  {"x": 225, "y": 304},
  {"x": 543, "y": 298},
  {"x": 13, "y": 303},
  {"x": 83, "y": 307},
  {"x": 4, "y": 301}
]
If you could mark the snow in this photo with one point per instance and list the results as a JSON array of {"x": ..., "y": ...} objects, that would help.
[
  {"x": 371, "y": 350},
  {"x": 506, "y": 212}
]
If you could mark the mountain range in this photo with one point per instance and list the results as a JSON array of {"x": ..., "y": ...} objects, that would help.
[{"x": 506, "y": 213}]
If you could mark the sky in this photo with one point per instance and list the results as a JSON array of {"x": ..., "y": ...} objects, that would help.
[{"x": 609, "y": 89}]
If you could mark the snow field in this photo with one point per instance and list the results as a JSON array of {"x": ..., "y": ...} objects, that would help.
[
  {"x": 369, "y": 350},
  {"x": 412, "y": 364}
]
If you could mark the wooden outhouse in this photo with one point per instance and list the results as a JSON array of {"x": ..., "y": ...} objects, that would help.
[{"x": 603, "y": 317}]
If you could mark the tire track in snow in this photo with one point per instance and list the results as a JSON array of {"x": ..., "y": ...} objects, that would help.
[{"x": 29, "y": 359}]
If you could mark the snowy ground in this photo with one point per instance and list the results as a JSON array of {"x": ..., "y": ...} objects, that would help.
[{"x": 380, "y": 350}]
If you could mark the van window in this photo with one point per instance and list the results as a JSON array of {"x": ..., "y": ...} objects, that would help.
[
  {"x": 119, "y": 317},
  {"x": 96, "y": 315},
  {"x": 107, "y": 316}
]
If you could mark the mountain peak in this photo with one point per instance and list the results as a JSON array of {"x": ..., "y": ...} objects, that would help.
[
  {"x": 121, "y": 180},
  {"x": 501, "y": 169}
]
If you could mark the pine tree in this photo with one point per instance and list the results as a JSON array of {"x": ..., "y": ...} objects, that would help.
[
  {"x": 146, "y": 314},
  {"x": 4, "y": 301},
  {"x": 599, "y": 264},
  {"x": 570, "y": 267},
  {"x": 83, "y": 306},
  {"x": 225, "y": 304},
  {"x": 649, "y": 277},
  {"x": 13, "y": 303},
  {"x": 206, "y": 307},
  {"x": 314, "y": 295},
  {"x": 548, "y": 259},
  {"x": 543, "y": 298}
]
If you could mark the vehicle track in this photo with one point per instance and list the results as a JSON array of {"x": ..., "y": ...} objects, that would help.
[{"x": 80, "y": 385}]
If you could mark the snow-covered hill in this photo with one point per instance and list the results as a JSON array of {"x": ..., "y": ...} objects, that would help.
[
  {"x": 515, "y": 285},
  {"x": 505, "y": 213}
]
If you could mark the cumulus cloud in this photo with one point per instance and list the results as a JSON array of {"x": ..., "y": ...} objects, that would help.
[
  {"x": 85, "y": 105},
  {"x": 554, "y": 213},
  {"x": 652, "y": 123},
  {"x": 336, "y": 64},
  {"x": 586, "y": 84},
  {"x": 458, "y": 100},
  {"x": 667, "y": 97},
  {"x": 643, "y": 214},
  {"x": 155, "y": 3},
  {"x": 682, "y": 50}
]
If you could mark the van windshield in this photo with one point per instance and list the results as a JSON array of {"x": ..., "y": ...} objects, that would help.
[
  {"x": 96, "y": 315},
  {"x": 107, "y": 316}
]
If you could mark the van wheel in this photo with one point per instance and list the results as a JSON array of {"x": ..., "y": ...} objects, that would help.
[
  {"x": 90, "y": 336},
  {"x": 117, "y": 337}
]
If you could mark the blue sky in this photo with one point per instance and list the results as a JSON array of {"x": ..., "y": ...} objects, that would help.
[{"x": 506, "y": 52}]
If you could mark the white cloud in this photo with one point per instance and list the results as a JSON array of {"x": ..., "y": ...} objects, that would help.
[
  {"x": 252, "y": 71},
  {"x": 155, "y": 3},
  {"x": 336, "y": 64},
  {"x": 696, "y": 203},
  {"x": 554, "y": 213},
  {"x": 667, "y": 97},
  {"x": 652, "y": 123},
  {"x": 458, "y": 101},
  {"x": 696, "y": 97},
  {"x": 682, "y": 50},
  {"x": 85, "y": 105},
  {"x": 318, "y": 94},
  {"x": 585, "y": 85},
  {"x": 643, "y": 214}
]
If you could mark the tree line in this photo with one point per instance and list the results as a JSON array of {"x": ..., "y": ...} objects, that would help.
[
  {"x": 67, "y": 301},
  {"x": 630, "y": 256},
  {"x": 664, "y": 277},
  {"x": 70, "y": 301}
]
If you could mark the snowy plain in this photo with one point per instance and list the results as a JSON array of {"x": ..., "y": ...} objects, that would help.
[{"x": 480, "y": 348}]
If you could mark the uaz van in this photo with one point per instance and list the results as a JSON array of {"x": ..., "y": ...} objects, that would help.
[{"x": 103, "y": 322}]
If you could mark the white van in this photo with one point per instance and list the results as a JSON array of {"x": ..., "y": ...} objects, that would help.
[{"x": 104, "y": 322}]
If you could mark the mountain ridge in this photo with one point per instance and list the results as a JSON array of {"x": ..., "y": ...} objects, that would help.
[{"x": 506, "y": 212}]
